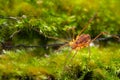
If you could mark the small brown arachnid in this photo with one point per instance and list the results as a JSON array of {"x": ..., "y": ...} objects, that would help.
[
  {"x": 84, "y": 40},
  {"x": 81, "y": 41}
]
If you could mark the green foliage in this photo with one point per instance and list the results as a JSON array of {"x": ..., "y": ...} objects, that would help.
[
  {"x": 104, "y": 64},
  {"x": 54, "y": 18},
  {"x": 33, "y": 21}
]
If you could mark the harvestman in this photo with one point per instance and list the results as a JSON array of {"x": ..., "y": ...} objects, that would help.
[{"x": 82, "y": 40}]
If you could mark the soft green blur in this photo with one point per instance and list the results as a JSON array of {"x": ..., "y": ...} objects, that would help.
[
  {"x": 104, "y": 64},
  {"x": 33, "y": 22}
]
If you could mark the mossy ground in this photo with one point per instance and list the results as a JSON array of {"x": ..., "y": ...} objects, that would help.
[{"x": 20, "y": 64}]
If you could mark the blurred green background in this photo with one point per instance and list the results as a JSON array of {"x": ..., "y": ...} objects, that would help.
[
  {"x": 34, "y": 22},
  {"x": 37, "y": 19}
]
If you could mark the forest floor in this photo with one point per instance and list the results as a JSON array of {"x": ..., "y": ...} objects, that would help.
[{"x": 104, "y": 64}]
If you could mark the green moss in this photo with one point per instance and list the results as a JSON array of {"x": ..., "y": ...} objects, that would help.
[
  {"x": 103, "y": 65},
  {"x": 32, "y": 21}
]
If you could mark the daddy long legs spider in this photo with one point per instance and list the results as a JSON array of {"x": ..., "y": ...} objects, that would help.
[{"x": 82, "y": 41}]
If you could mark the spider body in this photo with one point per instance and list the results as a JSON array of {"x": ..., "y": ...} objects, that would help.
[{"x": 80, "y": 42}]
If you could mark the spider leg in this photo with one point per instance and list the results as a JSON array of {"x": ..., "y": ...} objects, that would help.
[
  {"x": 91, "y": 19},
  {"x": 104, "y": 33},
  {"x": 89, "y": 52},
  {"x": 73, "y": 56},
  {"x": 63, "y": 40},
  {"x": 73, "y": 33},
  {"x": 70, "y": 59},
  {"x": 68, "y": 55},
  {"x": 66, "y": 59},
  {"x": 66, "y": 44}
]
